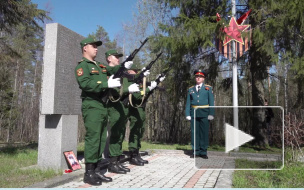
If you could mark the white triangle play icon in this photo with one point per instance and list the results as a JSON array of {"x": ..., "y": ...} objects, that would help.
[{"x": 235, "y": 138}]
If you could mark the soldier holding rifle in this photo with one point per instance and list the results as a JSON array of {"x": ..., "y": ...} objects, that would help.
[
  {"x": 92, "y": 79},
  {"x": 118, "y": 113},
  {"x": 137, "y": 115}
]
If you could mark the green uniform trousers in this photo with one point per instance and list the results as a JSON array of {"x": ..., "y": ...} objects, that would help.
[
  {"x": 95, "y": 121},
  {"x": 201, "y": 135},
  {"x": 137, "y": 117},
  {"x": 118, "y": 116}
]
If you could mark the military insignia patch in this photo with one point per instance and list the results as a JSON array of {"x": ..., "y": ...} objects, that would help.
[
  {"x": 79, "y": 72},
  {"x": 207, "y": 88}
]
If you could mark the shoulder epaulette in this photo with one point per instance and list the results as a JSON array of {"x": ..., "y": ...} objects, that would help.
[
  {"x": 190, "y": 87},
  {"x": 80, "y": 61},
  {"x": 208, "y": 85}
]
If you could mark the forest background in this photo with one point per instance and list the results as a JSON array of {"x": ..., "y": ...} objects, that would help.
[{"x": 186, "y": 32}]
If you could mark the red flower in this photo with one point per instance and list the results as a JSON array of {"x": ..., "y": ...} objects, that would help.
[{"x": 68, "y": 171}]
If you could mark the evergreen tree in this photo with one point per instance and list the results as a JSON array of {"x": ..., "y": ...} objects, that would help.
[
  {"x": 277, "y": 35},
  {"x": 103, "y": 36},
  {"x": 277, "y": 28},
  {"x": 20, "y": 41}
]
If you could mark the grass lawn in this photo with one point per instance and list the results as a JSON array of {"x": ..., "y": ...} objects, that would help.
[
  {"x": 291, "y": 176},
  {"x": 13, "y": 159}
]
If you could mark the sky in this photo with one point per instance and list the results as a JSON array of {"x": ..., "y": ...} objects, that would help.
[{"x": 83, "y": 16}]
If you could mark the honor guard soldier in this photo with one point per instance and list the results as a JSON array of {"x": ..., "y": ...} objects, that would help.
[
  {"x": 92, "y": 79},
  {"x": 200, "y": 95},
  {"x": 137, "y": 117},
  {"x": 118, "y": 116}
]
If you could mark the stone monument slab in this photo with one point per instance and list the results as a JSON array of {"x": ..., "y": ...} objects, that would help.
[
  {"x": 60, "y": 91},
  {"x": 60, "y": 96}
]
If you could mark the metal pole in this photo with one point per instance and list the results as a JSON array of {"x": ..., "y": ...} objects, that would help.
[{"x": 234, "y": 80}]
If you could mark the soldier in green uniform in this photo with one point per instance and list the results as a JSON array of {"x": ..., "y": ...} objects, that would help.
[
  {"x": 137, "y": 117},
  {"x": 92, "y": 79},
  {"x": 118, "y": 115},
  {"x": 200, "y": 95}
]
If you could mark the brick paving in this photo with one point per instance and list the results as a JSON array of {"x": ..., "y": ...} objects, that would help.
[{"x": 169, "y": 169}]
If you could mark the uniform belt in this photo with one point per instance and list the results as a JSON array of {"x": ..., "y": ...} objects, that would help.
[{"x": 202, "y": 106}]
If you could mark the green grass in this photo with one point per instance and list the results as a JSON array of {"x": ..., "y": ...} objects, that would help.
[
  {"x": 149, "y": 146},
  {"x": 291, "y": 176},
  {"x": 256, "y": 149},
  {"x": 13, "y": 159},
  {"x": 244, "y": 164}
]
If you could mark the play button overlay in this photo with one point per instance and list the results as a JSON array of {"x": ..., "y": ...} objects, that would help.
[{"x": 235, "y": 138}]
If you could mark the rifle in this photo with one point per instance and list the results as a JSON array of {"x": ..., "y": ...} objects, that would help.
[
  {"x": 122, "y": 68},
  {"x": 141, "y": 75},
  {"x": 157, "y": 80}
]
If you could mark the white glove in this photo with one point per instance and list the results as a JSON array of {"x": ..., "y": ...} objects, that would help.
[
  {"x": 210, "y": 117},
  {"x": 152, "y": 86},
  {"x": 146, "y": 73},
  {"x": 143, "y": 69},
  {"x": 188, "y": 118},
  {"x": 128, "y": 64},
  {"x": 113, "y": 83},
  {"x": 133, "y": 88},
  {"x": 161, "y": 79}
]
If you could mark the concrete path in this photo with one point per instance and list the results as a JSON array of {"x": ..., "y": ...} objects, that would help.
[{"x": 169, "y": 169}]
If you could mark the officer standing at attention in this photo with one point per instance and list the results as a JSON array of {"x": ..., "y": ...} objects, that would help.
[
  {"x": 92, "y": 79},
  {"x": 118, "y": 116},
  {"x": 200, "y": 95}
]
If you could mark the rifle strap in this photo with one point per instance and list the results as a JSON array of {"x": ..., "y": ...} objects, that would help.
[
  {"x": 120, "y": 93},
  {"x": 144, "y": 95}
]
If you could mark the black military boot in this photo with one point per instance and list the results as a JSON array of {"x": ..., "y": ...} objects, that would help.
[
  {"x": 114, "y": 166},
  {"x": 101, "y": 165},
  {"x": 140, "y": 159},
  {"x": 134, "y": 159},
  {"x": 122, "y": 166},
  {"x": 90, "y": 176}
]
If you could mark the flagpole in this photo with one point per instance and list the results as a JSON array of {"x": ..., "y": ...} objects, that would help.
[{"x": 234, "y": 80}]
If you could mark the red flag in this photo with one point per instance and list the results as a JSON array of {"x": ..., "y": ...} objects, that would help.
[
  {"x": 243, "y": 17},
  {"x": 218, "y": 17}
]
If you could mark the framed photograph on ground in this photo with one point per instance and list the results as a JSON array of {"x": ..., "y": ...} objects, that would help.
[{"x": 72, "y": 160}]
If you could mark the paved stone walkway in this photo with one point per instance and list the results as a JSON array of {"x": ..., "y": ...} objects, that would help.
[{"x": 169, "y": 169}]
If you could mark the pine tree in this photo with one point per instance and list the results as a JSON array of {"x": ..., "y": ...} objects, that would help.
[{"x": 20, "y": 40}]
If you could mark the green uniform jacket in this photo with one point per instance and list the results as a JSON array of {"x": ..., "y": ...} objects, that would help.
[
  {"x": 92, "y": 78},
  {"x": 201, "y": 98}
]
